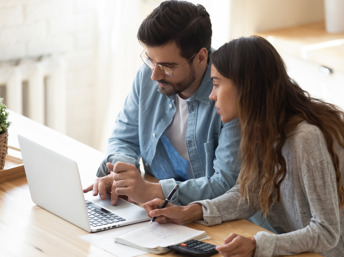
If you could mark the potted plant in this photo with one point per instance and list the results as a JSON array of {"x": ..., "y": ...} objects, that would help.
[{"x": 4, "y": 124}]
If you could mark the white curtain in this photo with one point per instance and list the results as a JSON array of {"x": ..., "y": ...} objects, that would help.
[{"x": 117, "y": 61}]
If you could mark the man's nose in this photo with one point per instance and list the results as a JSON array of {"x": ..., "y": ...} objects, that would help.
[{"x": 157, "y": 73}]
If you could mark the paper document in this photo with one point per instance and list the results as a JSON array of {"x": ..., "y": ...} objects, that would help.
[
  {"x": 156, "y": 237},
  {"x": 104, "y": 240}
]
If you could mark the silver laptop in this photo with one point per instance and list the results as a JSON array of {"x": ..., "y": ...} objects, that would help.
[{"x": 55, "y": 185}]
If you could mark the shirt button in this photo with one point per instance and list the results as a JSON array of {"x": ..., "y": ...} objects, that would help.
[
  {"x": 171, "y": 106},
  {"x": 147, "y": 165},
  {"x": 154, "y": 135}
]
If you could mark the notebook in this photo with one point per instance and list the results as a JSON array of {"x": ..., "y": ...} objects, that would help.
[
  {"x": 155, "y": 238},
  {"x": 55, "y": 185}
]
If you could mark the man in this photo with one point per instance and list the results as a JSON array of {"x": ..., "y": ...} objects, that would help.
[{"x": 168, "y": 119}]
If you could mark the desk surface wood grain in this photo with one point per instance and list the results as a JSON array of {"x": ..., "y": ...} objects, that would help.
[{"x": 28, "y": 230}]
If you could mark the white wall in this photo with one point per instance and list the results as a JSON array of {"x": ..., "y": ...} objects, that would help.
[{"x": 32, "y": 28}]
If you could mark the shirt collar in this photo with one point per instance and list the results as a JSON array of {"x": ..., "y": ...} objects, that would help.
[{"x": 204, "y": 90}]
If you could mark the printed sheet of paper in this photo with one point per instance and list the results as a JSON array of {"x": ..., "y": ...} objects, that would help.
[{"x": 156, "y": 237}]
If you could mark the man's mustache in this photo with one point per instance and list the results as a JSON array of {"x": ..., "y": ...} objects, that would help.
[{"x": 163, "y": 82}]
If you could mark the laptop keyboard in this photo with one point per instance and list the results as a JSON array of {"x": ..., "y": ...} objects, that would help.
[{"x": 99, "y": 216}]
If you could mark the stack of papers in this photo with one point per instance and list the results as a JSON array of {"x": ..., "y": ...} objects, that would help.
[{"x": 155, "y": 238}]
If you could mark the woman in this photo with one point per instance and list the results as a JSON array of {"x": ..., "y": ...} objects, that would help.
[{"x": 292, "y": 153}]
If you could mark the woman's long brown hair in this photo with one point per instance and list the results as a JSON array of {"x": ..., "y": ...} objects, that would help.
[{"x": 270, "y": 105}]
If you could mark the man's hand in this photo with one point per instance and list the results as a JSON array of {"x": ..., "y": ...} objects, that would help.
[
  {"x": 239, "y": 246},
  {"x": 125, "y": 180},
  {"x": 129, "y": 181},
  {"x": 173, "y": 213},
  {"x": 105, "y": 186}
]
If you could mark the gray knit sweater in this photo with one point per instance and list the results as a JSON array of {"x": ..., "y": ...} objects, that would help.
[{"x": 307, "y": 217}]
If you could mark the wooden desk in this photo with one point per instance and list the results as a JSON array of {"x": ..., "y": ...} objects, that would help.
[{"x": 28, "y": 230}]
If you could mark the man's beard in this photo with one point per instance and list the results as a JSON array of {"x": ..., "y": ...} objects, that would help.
[{"x": 176, "y": 88}]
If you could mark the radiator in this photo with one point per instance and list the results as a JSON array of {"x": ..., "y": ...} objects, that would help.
[{"x": 36, "y": 89}]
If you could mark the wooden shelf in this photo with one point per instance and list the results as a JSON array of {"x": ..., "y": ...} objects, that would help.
[
  {"x": 310, "y": 42},
  {"x": 14, "y": 167}
]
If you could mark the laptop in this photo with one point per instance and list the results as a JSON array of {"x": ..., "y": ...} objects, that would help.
[{"x": 55, "y": 185}]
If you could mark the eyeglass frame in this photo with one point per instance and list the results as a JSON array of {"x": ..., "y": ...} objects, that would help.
[{"x": 162, "y": 67}]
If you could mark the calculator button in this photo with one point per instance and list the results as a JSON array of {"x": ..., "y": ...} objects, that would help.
[{"x": 195, "y": 248}]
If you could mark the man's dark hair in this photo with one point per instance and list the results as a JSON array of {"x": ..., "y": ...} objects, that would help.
[{"x": 186, "y": 24}]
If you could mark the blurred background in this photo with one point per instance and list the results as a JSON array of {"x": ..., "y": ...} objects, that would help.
[{"x": 70, "y": 63}]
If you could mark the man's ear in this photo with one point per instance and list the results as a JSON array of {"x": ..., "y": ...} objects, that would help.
[{"x": 202, "y": 56}]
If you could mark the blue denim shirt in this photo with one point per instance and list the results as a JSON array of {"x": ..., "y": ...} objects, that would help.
[{"x": 212, "y": 145}]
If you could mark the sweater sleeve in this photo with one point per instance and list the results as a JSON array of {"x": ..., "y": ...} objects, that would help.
[
  {"x": 318, "y": 185},
  {"x": 226, "y": 207}
]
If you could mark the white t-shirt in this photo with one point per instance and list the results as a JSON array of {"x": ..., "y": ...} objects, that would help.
[{"x": 177, "y": 130}]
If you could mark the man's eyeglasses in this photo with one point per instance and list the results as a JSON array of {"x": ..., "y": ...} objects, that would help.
[{"x": 167, "y": 70}]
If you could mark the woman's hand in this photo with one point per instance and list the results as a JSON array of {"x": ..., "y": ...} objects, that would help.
[
  {"x": 173, "y": 213},
  {"x": 238, "y": 246}
]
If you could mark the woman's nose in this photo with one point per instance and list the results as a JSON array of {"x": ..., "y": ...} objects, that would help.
[{"x": 212, "y": 95}]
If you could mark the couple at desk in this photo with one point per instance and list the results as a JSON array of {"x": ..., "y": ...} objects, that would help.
[{"x": 197, "y": 117}]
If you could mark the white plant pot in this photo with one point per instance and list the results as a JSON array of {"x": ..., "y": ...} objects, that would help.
[{"x": 334, "y": 15}]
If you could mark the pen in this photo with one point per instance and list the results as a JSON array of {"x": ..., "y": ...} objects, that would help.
[{"x": 168, "y": 198}]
